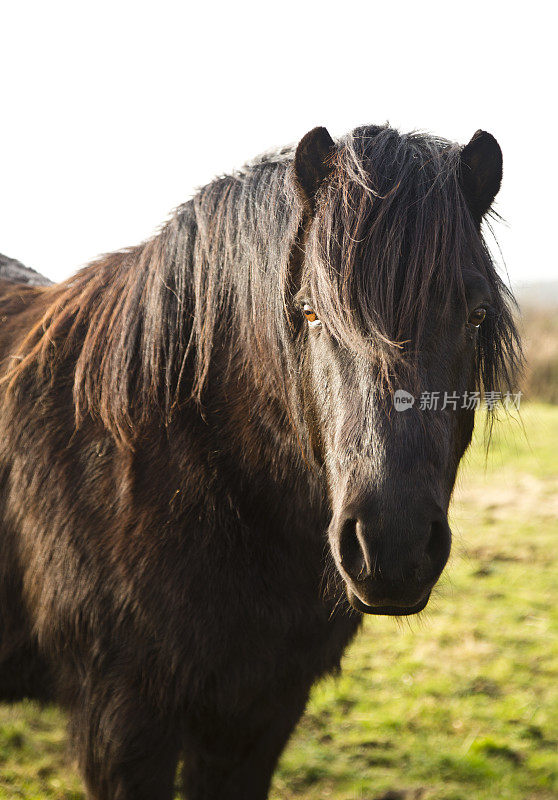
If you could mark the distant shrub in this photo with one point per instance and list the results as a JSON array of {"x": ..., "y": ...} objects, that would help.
[{"x": 540, "y": 335}]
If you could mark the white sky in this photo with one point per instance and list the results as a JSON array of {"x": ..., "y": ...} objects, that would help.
[{"x": 112, "y": 113}]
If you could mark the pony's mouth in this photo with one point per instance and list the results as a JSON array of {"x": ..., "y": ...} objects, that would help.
[{"x": 385, "y": 610}]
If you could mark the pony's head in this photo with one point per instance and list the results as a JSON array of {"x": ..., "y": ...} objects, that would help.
[
  {"x": 403, "y": 318},
  {"x": 352, "y": 282}
]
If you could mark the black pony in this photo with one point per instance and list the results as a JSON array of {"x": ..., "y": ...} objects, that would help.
[{"x": 204, "y": 482}]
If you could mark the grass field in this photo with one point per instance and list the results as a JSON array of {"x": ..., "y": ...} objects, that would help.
[{"x": 460, "y": 704}]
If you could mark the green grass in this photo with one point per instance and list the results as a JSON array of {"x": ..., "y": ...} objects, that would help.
[{"x": 459, "y": 704}]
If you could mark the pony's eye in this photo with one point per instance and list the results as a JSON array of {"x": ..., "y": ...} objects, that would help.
[
  {"x": 477, "y": 316},
  {"x": 310, "y": 314}
]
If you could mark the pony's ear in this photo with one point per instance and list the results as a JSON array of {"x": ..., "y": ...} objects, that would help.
[
  {"x": 481, "y": 172},
  {"x": 312, "y": 163}
]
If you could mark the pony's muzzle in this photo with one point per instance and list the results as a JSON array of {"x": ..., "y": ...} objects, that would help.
[{"x": 390, "y": 567}]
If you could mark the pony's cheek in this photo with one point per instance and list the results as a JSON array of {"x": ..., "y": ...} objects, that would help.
[{"x": 466, "y": 424}]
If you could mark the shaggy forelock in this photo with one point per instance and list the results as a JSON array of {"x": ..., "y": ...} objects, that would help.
[{"x": 386, "y": 255}]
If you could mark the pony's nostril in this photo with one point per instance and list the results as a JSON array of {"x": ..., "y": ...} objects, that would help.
[
  {"x": 438, "y": 545},
  {"x": 352, "y": 555}
]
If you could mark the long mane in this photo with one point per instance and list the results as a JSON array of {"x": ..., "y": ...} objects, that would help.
[{"x": 141, "y": 328}]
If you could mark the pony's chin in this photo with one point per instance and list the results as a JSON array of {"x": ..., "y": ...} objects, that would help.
[{"x": 390, "y": 611}]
